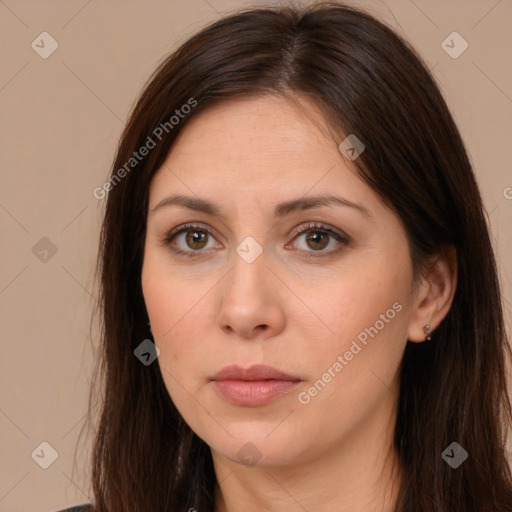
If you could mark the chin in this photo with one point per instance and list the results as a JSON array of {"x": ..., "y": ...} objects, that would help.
[{"x": 252, "y": 446}]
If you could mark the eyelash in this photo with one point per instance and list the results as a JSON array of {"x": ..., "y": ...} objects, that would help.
[{"x": 341, "y": 238}]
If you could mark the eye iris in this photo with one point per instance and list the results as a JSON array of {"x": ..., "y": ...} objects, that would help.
[
  {"x": 314, "y": 237},
  {"x": 194, "y": 237}
]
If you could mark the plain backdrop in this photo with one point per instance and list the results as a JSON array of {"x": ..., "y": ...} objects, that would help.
[{"x": 61, "y": 118}]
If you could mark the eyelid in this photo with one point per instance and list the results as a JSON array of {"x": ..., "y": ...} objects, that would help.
[
  {"x": 320, "y": 227},
  {"x": 186, "y": 226}
]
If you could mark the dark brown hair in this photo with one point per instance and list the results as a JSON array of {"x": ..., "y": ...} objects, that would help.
[{"x": 367, "y": 81}]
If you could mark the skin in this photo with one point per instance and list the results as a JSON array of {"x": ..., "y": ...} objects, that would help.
[{"x": 285, "y": 310}]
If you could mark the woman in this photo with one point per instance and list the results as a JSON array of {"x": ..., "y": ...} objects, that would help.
[{"x": 300, "y": 301}]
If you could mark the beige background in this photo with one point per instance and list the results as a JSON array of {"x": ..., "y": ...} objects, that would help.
[{"x": 61, "y": 120}]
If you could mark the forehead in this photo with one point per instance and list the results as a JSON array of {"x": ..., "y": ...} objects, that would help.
[
  {"x": 247, "y": 160},
  {"x": 281, "y": 117},
  {"x": 260, "y": 144}
]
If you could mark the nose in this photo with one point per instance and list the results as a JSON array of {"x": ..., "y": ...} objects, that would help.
[{"x": 249, "y": 300}]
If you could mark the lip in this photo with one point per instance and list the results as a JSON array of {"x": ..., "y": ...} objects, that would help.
[
  {"x": 253, "y": 386},
  {"x": 254, "y": 372}
]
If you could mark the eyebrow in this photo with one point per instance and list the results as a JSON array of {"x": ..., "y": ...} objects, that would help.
[{"x": 281, "y": 210}]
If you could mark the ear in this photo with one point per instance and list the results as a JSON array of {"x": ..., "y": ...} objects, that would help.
[{"x": 435, "y": 295}]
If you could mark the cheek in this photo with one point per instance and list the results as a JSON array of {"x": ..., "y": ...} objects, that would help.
[
  {"x": 160, "y": 297},
  {"x": 361, "y": 298},
  {"x": 173, "y": 310},
  {"x": 365, "y": 315},
  {"x": 178, "y": 312},
  {"x": 352, "y": 372},
  {"x": 170, "y": 298},
  {"x": 175, "y": 313}
]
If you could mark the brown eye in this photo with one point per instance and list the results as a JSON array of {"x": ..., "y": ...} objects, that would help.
[
  {"x": 317, "y": 240},
  {"x": 190, "y": 240},
  {"x": 196, "y": 239}
]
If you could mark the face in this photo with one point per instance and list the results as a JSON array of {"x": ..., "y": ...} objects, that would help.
[{"x": 320, "y": 292}]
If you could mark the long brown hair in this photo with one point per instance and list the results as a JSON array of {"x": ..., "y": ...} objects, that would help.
[{"x": 368, "y": 81}]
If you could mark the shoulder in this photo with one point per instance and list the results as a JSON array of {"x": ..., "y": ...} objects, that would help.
[{"x": 78, "y": 508}]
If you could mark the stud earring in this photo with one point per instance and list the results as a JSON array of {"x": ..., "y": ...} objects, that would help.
[{"x": 428, "y": 331}]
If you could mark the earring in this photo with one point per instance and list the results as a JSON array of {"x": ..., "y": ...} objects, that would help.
[{"x": 428, "y": 331}]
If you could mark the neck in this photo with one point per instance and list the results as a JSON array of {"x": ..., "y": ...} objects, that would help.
[{"x": 361, "y": 474}]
